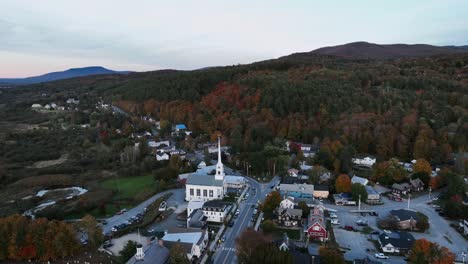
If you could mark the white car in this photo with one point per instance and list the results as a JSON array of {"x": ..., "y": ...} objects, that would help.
[
  {"x": 335, "y": 222},
  {"x": 380, "y": 256},
  {"x": 332, "y": 215}
]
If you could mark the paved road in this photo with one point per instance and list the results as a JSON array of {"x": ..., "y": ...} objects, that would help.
[
  {"x": 226, "y": 252},
  {"x": 439, "y": 227},
  {"x": 120, "y": 219}
]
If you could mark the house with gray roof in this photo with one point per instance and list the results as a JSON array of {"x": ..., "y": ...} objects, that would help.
[
  {"x": 396, "y": 241},
  {"x": 193, "y": 241},
  {"x": 153, "y": 253}
]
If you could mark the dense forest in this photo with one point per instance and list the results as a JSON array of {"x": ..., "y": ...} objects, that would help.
[{"x": 405, "y": 108}]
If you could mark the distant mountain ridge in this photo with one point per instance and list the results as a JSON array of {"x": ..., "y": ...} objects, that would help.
[
  {"x": 368, "y": 50},
  {"x": 53, "y": 76}
]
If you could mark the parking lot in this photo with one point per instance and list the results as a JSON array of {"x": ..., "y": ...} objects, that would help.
[{"x": 439, "y": 232}]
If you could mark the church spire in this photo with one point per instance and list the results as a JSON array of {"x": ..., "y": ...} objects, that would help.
[{"x": 219, "y": 166}]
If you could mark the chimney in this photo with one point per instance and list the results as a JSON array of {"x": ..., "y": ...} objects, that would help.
[{"x": 139, "y": 253}]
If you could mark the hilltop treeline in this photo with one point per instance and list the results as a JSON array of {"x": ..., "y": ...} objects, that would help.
[{"x": 407, "y": 108}]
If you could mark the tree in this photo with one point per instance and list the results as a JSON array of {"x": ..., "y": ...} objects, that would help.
[
  {"x": 128, "y": 251},
  {"x": 422, "y": 165},
  {"x": 358, "y": 189},
  {"x": 426, "y": 252},
  {"x": 95, "y": 236},
  {"x": 268, "y": 226},
  {"x": 271, "y": 202},
  {"x": 247, "y": 242},
  {"x": 177, "y": 255},
  {"x": 343, "y": 184},
  {"x": 331, "y": 255},
  {"x": 267, "y": 253},
  {"x": 305, "y": 209},
  {"x": 423, "y": 223}
]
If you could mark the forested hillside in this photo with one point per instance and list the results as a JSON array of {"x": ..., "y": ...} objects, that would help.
[{"x": 408, "y": 108}]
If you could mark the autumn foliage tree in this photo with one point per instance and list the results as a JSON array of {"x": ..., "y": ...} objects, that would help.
[
  {"x": 426, "y": 252},
  {"x": 43, "y": 240},
  {"x": 422, "y": 165},
  {"x": 343, "y": 184},
  {"x": 271, "y": 202},
  {"x": 247, "y": 243}
]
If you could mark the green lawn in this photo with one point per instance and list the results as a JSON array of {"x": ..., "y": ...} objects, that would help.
[{"x": 128, "y": 187}]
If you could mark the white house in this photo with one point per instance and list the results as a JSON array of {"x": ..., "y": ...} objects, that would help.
[
  {"x": 36, "y": 106},
  {"x": 215, "y": 211},
  {"x": 396, "y": 241},
  {"x": 293, "y": 172},
  {"x": 367, "y": 161},
  {"x": 287, "y": 202},
  {"x": 162, "y": 156},
  {"x": 193, "y": 241},
  {"x": 360, "y": 180}
]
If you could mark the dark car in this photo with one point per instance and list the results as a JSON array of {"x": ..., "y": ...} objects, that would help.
[
  {"x": 375, "y": 233},
  {"x": 231, "y": 224},
  {"x": 349, "y": 228},
  {"x": 108, "y": 245}
]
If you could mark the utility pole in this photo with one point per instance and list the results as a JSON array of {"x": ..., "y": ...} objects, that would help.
[
  {"x": 359, "y": 203},
  {"x": 274, "y": 168},
  {"x": 409, "y": 200}
]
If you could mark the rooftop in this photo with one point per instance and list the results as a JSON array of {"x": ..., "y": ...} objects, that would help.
[
  {"x": 360, "y": 180},
  {"x": 399, "y": 239},
  {"x": 404, "y": 215},
  {"x": 203, "y": 179},
  {"x": 303, "y": 188},
  {"x": 154, "y": 254},
  {"x": 214, "y": 204}
]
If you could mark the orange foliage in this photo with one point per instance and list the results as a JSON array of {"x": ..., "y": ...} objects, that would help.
[{"x": 343, "y": 184}]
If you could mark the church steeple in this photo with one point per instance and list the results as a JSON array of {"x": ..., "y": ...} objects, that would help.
[{"x": 219, "y": 166}]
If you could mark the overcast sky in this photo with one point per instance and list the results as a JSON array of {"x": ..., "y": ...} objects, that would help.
[{"x": 140, "y": 35}]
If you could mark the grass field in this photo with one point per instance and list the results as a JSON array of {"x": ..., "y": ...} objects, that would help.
[{"x": 128, "y": 187}]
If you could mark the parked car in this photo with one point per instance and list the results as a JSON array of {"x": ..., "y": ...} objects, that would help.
[
  {"x": 375, "y": 232},
  {"x": 335, "y": 222},
  {"x": 349, "y": 228},
  {"x": 108, "y": 245},
  {"x": 231, "y": 224},
  {"x": 332, "y": 215},
  {"x": 237, "y": 212},
  {"x": 255, "y": 211},
  {"x": 380, "y": 256}
]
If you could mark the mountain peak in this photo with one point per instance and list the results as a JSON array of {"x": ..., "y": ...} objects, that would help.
[
  {"x": 70, "y": 73},
  {"x": 363, "y": 49}
]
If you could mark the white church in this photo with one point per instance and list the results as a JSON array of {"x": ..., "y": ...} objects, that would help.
[{"x": 202, "y": 186}]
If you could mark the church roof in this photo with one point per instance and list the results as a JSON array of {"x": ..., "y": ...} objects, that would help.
[{"x": 203, "y": 179}]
